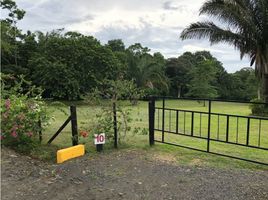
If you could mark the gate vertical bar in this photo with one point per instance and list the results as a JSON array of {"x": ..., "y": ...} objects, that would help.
[
  {"x": 151, "y": 120},
  {"x": 248, "y": 130},
  {"x": 259, "y": 140},
  {"x": 177, "y": 121},
  {"x": 192, "y": 124},
  {"x": 209, "y": 118},
  {"x": 163, "y": 120},
  {"x": 74, "y": 125},
  {"x": 115, "y": 125},
  {"x": 227, "y": 128}
]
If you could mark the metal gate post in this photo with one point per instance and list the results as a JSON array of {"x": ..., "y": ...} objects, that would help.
[
  {"x": 151, "y": 120},
  {"x": 163, "y": 120},
  {"x": 209, "y": 123}
]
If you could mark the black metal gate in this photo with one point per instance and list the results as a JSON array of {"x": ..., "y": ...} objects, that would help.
[{"x": 192, "y": 123}]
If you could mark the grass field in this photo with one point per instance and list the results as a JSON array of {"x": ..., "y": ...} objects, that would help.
[{"x": 86, "y": 115}]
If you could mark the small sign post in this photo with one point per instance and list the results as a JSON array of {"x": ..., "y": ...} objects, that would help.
[{"x": 99, "y": 140}]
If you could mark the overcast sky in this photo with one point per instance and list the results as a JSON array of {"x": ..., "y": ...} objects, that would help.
[{"x": 156, "y": 24}]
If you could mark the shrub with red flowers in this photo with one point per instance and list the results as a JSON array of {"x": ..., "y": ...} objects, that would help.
[
  {"x": 20, "y": 113},
  {"x": 83, "y": 133},
  {"x": 84, "y": 136}
]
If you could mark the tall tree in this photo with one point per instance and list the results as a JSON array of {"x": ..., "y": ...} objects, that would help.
[
  {"x": 244, "y": 25},
  {"x": 147, "y": 71},
  {"x": 245, "y": 86},
  {"x": 116, "y": 45},
  {"x": 10, "y": 35},
  {"x": 177, "y": 72},
  {"x": 80, "y": 59},
  {"x": 201, "y": 84},
  {"x": 119, "y": 50}
]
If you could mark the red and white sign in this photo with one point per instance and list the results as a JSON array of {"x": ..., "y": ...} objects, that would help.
[{"x": 99, "y": 138}]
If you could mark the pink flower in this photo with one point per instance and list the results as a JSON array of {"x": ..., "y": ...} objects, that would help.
[
  {"x": 30, "y": 134},
  {"x": 14, "y": 134},
  {"x": 7, "y": 104},
  {"x": 2, "y": 137}
]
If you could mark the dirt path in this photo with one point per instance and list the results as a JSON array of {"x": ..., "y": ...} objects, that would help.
[{"x": 125, "y": 175}]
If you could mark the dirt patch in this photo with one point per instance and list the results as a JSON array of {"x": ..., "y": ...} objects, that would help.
[
  {"x": 165, "y": 157},
  {"x": 124, "y": 175},
  {"x": 196, "y": 162}
]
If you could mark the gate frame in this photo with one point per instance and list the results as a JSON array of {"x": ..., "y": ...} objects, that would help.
[{"x": 152, "y": 108}]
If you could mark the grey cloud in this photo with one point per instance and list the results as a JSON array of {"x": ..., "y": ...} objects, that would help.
[
  {"x": 52, "y": 14},
  {"x": 60, "y": 19},
  {"x": 170, "y": 5},
  {"x": 162, "y": 39},
  {"x": 58, "y": 12},
  {"x": 169, "y": 43},
  {"x": 47, "y": 15}
]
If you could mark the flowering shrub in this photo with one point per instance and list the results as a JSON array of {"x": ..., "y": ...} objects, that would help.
[
  {"x": 20, "y": 113},
  {"x": 83, "y": 133},
  {"x": 83, "y": 136}
]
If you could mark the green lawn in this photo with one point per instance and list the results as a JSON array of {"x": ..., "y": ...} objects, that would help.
[{"x": 139, "y": 114}]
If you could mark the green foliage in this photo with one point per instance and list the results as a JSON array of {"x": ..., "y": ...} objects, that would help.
[
  {"x": 201, "y": 83},
  {"x": 113, "y": 91},
  {"x": 105, "y": 123},
  {"x": 21, "y": 112},
  {"x": 56, "y": 78},
  {"x": 10, "y": 35},
  {"x": 245, "y": 86},
  {"x": 141, "y": 131},
  {"x": 138, "y": 50},
  {"x": 259, "y": 109},
  {"x": 69, "y": 65},
  {"x": 14, "y": 12},
  {"x": 182, "y": 72},
  {"x": 177, "y": 70},
  {"x": 116, "y": 45},
  {"x": 148, "y": 71},
  {"x": 117, "y": 90},
  {"x": 245, "y": 27}
]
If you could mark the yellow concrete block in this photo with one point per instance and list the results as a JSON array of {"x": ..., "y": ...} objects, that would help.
[{"x": 69, "y": 153}]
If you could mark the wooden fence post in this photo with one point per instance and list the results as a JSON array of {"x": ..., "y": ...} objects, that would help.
[
  {"x": 40, "y": 131},
  {"x": 115, "y": 125},
  {"x": 74, "y": 125}
]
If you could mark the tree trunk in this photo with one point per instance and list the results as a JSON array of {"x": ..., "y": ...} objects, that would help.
[
  {"x": 259, "y": 93},
  {"x": 265, "y": 88},
  {"x": 179, "y": 91}
]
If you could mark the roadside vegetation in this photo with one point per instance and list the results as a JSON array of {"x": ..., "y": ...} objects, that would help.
[{"x": 43, "y": 73}]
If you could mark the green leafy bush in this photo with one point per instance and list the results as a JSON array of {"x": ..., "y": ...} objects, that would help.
[
  {"x": 110, "y": 92},
  {"x": 21, "y": 112},
  {"x": 259, "y": 109}
]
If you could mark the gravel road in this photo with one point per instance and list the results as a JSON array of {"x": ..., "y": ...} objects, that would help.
[{"x": 125, "y": 174}]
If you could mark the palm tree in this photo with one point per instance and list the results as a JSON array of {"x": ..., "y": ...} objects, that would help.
[
  {"x": 244, "y": 25},
  {"x": 148, "y": 71}
]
